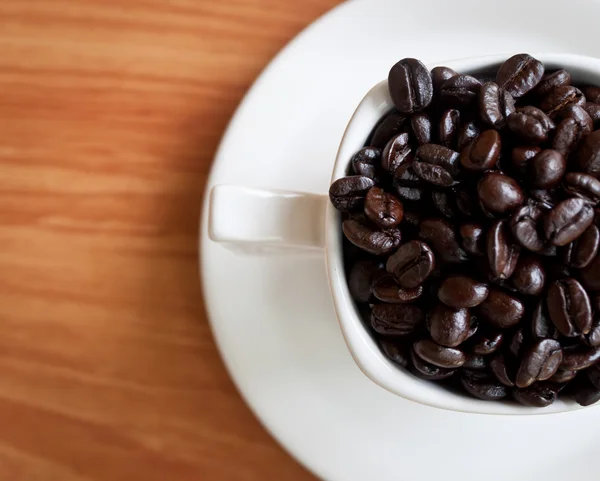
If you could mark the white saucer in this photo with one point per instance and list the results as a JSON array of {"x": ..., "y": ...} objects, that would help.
[{"x": 272, "y": 316}]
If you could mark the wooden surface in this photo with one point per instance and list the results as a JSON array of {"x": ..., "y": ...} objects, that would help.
[{"x": 110, "y": 114}]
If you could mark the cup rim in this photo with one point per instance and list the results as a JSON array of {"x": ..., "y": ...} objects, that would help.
[{"x": 363, "y": 348}]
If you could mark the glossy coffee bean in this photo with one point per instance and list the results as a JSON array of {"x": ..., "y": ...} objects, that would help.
[
  {"x": 552, "y": 80},
  {"x": 531, "y": 124},
  {"x": 411, "y": 264},
  {"x": 590, "y": 275},
  {"x": 520, "y": 74},
  {"x": 386, "y": 289},
  {"x": 441, "y": 356},
  {"x": 501, "y": 309},
  {"x": 439, "y": 75},
  {"x": 365, "y": 162},
  {"x": 428, "y": 371},
  {"x": 440, "y": 235},
  {"x": 546, "y": 169},
  {"x": 593, "y": 110},
  {"x": 582, "y": 119},
  {"x": 436, "y": 164},
  {"x": 499, "y": 194},
  {"x": 495, "y": 104},
  {"x": 372, "y": 241},
  {"x": 584, "y": 248},
  {"x": 592, "y": 94},
  {"x": 588, "y": 154},
  {"x": 502, "y": 254},
  {"x": 443, "y": 201},
  {"x": 408, "y": 185},
  {"x": 529, "y": 276},
  {"x": 593, "y": 374},
  {"x": 361, "y": 277},
  {"x": 448, "y": 327},
  {"x": 396, "y": 319},
  {"x": 397, "y": 352},
  {"x": 483, "y": 152},
  {"x": 469, "y": 131},
  {"x": 539, "y": 362},
  {"x": 542, "y": 326},
  {"x": 449, "y": 127},
  {"x": 576, "y": 358},
  {"x": 460, "y": 91},
  {"x": 476, "y": 362},
  {"x": 486, "y": 342},
  {"x": 472, "y": 239},
  {"x": 396, "y": 153},
  {"x": 516, "y": 342},
  {"x": 561, "y": 376},
  {"x": 383, "y": 209},
  {"x": 348, "y": 193},
  {"x": 586, "y": 393},
  {"x": 582, "y": 185},
  {"x": 568, "y": 220},
  {"x": 389, "y": 126},
  {"x": 522, "y": 155},
  {"x": 483, "y": 386},
  {"x": 526, "y": 227},
  {"x": 422, "y": 127},
  {"x": 569, "y": 307},
  {"x": 461, "y": 291},
  {"x": 536, "y": 395},
  {"x": 410, "y": 86},
  {"x": 567, "y": 136},
  {"x": 503, "y": 369},
  {"x": 560, "y": 98}
]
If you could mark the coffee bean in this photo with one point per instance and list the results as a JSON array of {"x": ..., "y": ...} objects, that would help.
[
  {"x": 503, "y": 370},
  {"x": 586, "y": 393},
  {"x": 486, "y": 342},
  {"x": 526, "y": 226},
  {"x": 568, "y": 220},
  {"x": 396, "y": 319},
  {"x": 585, "y": 248},
  {"x": 383, "y": 209},
  {"x": 348, "y": 193},
  {"x": 522, "y": 155},
  {"x": 408, "y": 185},
  {"x": 372, "y": 241},
  {"x": 584, "y": 122},
  {"x": 590, "y": 275},
  {"x": 422, "y": 127},
  {"x": 439, "y": 75},
  {"x": 468, "y": 132},
  {"x": 397, "y": 153},
  {"x": 539, "y": 363},
  {"x": 386, "y": 289},
  {"x": 520, "y": 74},
  {"x": 541, "y": 325},
  {"x": 531, "y": 124},
  {"x": 467, "y": 201},
  {"x": 449, "y": 127},
  {"x": 365, "y": 162},
  {"x": 460, "y": 91},
  {"x": 576, "y": 358},
  {"x": 569, "y": 307},
  {"x": 529, "y": 276},
  {"x": 561, "y": 376},
  {"x": 390, "y": 126},
  {"x": 444, "y": 203},
  {"x": 582, "y": 185},
  {"x": 472, "y": 239},
  {"x": 410, "y": 86},
  {"x": 437, "y": 355},
  {"x": 483, "y": 152},
  {"x": 552, "y": 80},
  {"x": 448, "y": 327},
  {"x": 502, "y": 254},
  {"x": 537, "y": 395},
  {"x": 440, "y": 235},
  {"x": 593, "y": 374},
  {"x": 361, "y": 278},
  {"x": 436, "y": 164},
  {"x": 561, "y": 97},
  {"x": 592, "y": 94},
  {"x": 475, "y": 362},
  {"x": 461, "y": 291},
  {"x": 411, "y": 264},
  {"x": 566, "y": 137},
  {"x": 515, "y": 345},
  {"x": 395, "y": 351},
  {"x": 588, "y": 154},
  {"x": 428, "y": 371},
  {"x": 546, "y": 169},
  {"x": 499, "y": 194},
  {"x": 483, "y": 386},
  {"x": 495, "y": 104},
  {"x": 593, "y": 110},
  {"x": 501, "y": 309}
]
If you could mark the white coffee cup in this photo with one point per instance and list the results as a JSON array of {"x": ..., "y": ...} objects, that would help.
[{"x": 267, "y": 221}]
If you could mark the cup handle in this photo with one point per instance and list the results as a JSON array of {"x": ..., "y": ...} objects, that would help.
[{"x": 254, "y": 220}]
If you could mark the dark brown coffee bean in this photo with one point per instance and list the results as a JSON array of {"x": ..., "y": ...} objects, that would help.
[
  {"x": 515, "y": 345},
  {"x": 397, "y": 352},
  {"x": 375, "y": 242},
  {"x": 461, "y": 291},
  {"x": 501, "y": 309},
  {"x": 460, "y": 91},
  {"x": 428, "y": 371},
  {"x": 502, "y": 254},
  {"x": 503, "y": 370},
  {"x": 592, "y": 94},
  {"x": 576, "y": 358},
  {"x": 482, "y": 386},
  {"x": 569, "y": 308},
  {"x": 467, "y": 201},
  {"x": 483, "y": 152},
  {"x": 582, "y": 185},
  {"x": 588, "y": 154},
  {"x": 440, "y": 235},
  {"x": 584, "y": 122},
  {"x": 411, "y": 264},
  {"x": 499, "y": 194},
  {"x": 389, "y": 126},
  {"x": 486, "y": 342},
  {"x": 568, "y": 220},
  {"x": 449, "y": 127},
  {"x": 529, "y": 276},
  {"x": 348, "y": 193},
  {"x": 472, "y": 239},
  {"x": 396, "y": 319},
  {"x": 593, "y": 110},
  {"x": 386, "y": 289},
  {"x": 531, "y": 124},
  {"x": 467, "y": 133},
  {"x": 520, "y": 74},
  {"x": 539, "y": 362},
  {"x": 437, "y": 355},
  {"x": 476, "y": 362},
  {"x": 585, "y": 248},
  {"x": 443, "y": 201},
  {"x": 546, "y": 169},
  {"x": 422, "y": 127},
  {"x": 397, "y": 153},
  {"x": 410, "y": 86},
  {"x": 561, "y": 376},
  {"x": 541, "y": 325},
  {"x": 365, "y": 162},
  {"x": 383, "y": 209},
  {"x": 495, "y": 104},
  {"x": 537, "y": 395},
  {"x": 439, "y": 75},
  {"x": 448, "y": 327},
  {"x": 593, "y": 374},
  {"x": 586, "y": 393},
  {"x": 566, "y": 137},
  {"x": 561, "y": 97},
  {"x": 526, "y": 226},
  {"x": 552, "y": 80},
  {"x": 436, "y": 164},
  {"x": 408, "y": 185},
  {"x": 521, "y": 156},
  {"x": 590, "y": 275},
  {"x": 361, "y": 277}
]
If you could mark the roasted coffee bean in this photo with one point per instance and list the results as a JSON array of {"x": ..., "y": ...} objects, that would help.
[
  {"x": 590, "y": 275},
  {"x": 440, "y": 235},
  {"x": 467, "y": 201},
  {"x": 584, "y": 248},
  {"x": 537, "y": 395},
  {"x": 422, "y": 127},
  {"x": 439, "y": 75},
  {"x": 576, "y": 358},
  {"x": 521, "y": 156},
  {"x": 552, "y": 80},
  {"x": 461, "y": 291},
  {"x": 361, "y": 277},
  {"x": 520, "y": 74},
  {"x": 436, "y": 164},
  {"x": 443, "y": 201},
  {"x": 390, "y": 126},
  {"x": 502, "y": 254},
  {"x": 501, "y": 309},
  {"x": 568, "y": 220},
  {"x": 582, "y": 185},
  {"x": 499, "y": 194},
  {"x": 486, "y": 342},
  {"x": 588, "y": 154},
  {"x": 593, "y": 110},
  {"x": 448, "y": 327},
  {"x": 397, "y": 153},
  {"x": 467, "y": 133},
  {"x": 482, "y": 386},
  {"x": 541, "y": 325},
  {"x": 526, "y": 226},
  {"x": 584, "y": 122},
  {"x": 539, "y": 362},
  {"x": 546, "y": 169},
  {"x": 460, "y": 91},
  {"x": 375, "y": 242},
  {"x": 396, "y": 319},
  {"x": 408, "y": 185},
  {"x": 586, "y": 393},
  {"x": 410, "y": 86},
  {"x": 517, "y": 340},
  {"x": 365, "y": 162},
  {"x": 395, "y": 351},
  {"x": 449, "y": 127},
  {"x": 569, "y": 307},
  {"x": 386, "y": 289},
  {"x": 545, "y": 199},
  {"x": 561, "y": 376},
  {"x": 383, "y": 209},
  {"x": 411, "y": 264},
  {"x": 472, "y": 239},
  {"x": 561, "y": 97},
  {"x": 348, "y": 193},
  {"x": 483, "y": 152},
  {"x": 529, "y": 276},
  {"x": 531, "y": 124},
  {"x": 428, "y": 371},
  {"x": 495, "y": 104},
  {"x": 566, "y": 137},
  {"x": 476, "y": 362},
  {"x": 441, "y": 356},
  {"x": 592, "y": 94}
]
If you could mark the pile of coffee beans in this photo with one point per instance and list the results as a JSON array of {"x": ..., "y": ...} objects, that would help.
[{"x": 471, "y": 230}]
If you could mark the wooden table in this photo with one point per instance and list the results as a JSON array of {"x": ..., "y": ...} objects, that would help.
[{"x": 110, "y": 114}]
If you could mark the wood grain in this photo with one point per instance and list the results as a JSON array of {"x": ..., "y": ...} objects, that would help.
[{"x": 110, "y": 113}]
